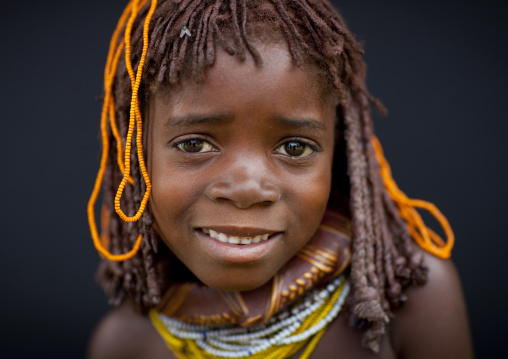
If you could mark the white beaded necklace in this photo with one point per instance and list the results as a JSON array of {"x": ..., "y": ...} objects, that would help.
[{"x": 237, "y": 341}]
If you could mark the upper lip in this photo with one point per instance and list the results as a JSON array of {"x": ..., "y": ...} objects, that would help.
[{"x": 240, "y": 231}]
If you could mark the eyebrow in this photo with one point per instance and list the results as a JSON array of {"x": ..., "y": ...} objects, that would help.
[
  {"x": 302, "y": 122},
  {"x": 182, "y": 121}
]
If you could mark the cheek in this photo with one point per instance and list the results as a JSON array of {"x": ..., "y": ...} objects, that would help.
[
  {"x": 318, "y": 193},
  {"x": 312, "y": 197},
  {"x": 173, "y": 192}
]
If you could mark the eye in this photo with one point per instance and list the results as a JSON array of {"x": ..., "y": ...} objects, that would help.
[
  {"x": 195, "y": 146},
  {"x": 296, "y": 149}
]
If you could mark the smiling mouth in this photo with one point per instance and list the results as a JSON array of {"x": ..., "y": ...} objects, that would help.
[{"x": 222, "y": 237}]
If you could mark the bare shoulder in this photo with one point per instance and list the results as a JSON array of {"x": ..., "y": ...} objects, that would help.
[
  {"x": 433, "y": 323},
  {"x": 125, "y": 334}
]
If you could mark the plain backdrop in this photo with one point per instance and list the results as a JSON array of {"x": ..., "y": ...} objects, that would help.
[{"x": 439, "y": 66}]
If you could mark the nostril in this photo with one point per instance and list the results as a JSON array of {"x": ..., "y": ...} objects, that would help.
[
  {"x": 243, "y": 194},
  {"x": 217, "y": 191}
]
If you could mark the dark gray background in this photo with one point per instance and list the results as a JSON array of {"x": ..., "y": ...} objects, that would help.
[{"x": 439, "y": 66}]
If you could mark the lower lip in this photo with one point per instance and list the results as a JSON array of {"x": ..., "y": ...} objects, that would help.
[{"x": 234, "y": 253}]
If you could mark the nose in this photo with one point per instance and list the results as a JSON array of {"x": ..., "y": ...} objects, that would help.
[{"x": 246, "y": 182}]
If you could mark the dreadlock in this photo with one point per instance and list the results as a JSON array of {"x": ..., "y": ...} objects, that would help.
[{"x": 150, "y": 50}]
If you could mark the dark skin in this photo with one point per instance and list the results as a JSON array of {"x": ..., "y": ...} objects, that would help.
[
  {"x": 255, "y": 145},
  {"x": 232, "y": 155}
]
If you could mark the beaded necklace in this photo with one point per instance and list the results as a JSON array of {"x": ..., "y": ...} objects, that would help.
[{"x": 282, "y": 336}]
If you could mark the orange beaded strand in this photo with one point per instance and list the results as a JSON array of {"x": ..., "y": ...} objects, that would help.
[
  {"x": 114, "y": 54},
  {"x": 112, "y": 121},
  {"x": 135, "y": 115},
  {"x": 109, "y": 74},
  {"x": 424, "y": 236}
]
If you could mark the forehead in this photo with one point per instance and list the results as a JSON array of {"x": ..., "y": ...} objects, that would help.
[{"x": 277, "y": 83}]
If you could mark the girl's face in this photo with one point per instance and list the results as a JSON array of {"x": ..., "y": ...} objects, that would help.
[{"x": 243, "y": 156}]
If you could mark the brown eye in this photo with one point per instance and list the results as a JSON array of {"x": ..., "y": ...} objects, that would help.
[
  {"x": 194, "y": 146},
  {"x": 295, "y": 149}
]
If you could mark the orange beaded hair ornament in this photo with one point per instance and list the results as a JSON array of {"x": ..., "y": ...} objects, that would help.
[
  {"x": 425, "y": 237},
  {"x": 108, "y": 113}
]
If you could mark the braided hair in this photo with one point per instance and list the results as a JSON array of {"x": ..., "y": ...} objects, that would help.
[{"x": 151, "y": 39}]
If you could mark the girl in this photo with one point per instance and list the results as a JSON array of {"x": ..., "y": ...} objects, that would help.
[{"x": 264, "y": 222}]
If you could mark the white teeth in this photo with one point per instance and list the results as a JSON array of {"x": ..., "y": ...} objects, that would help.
[
  {"x": 223, "y": 237},
  {"x": 235, "y": 239}
]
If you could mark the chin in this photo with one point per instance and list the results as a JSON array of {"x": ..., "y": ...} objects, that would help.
[{"x": 238, "y": 282}]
